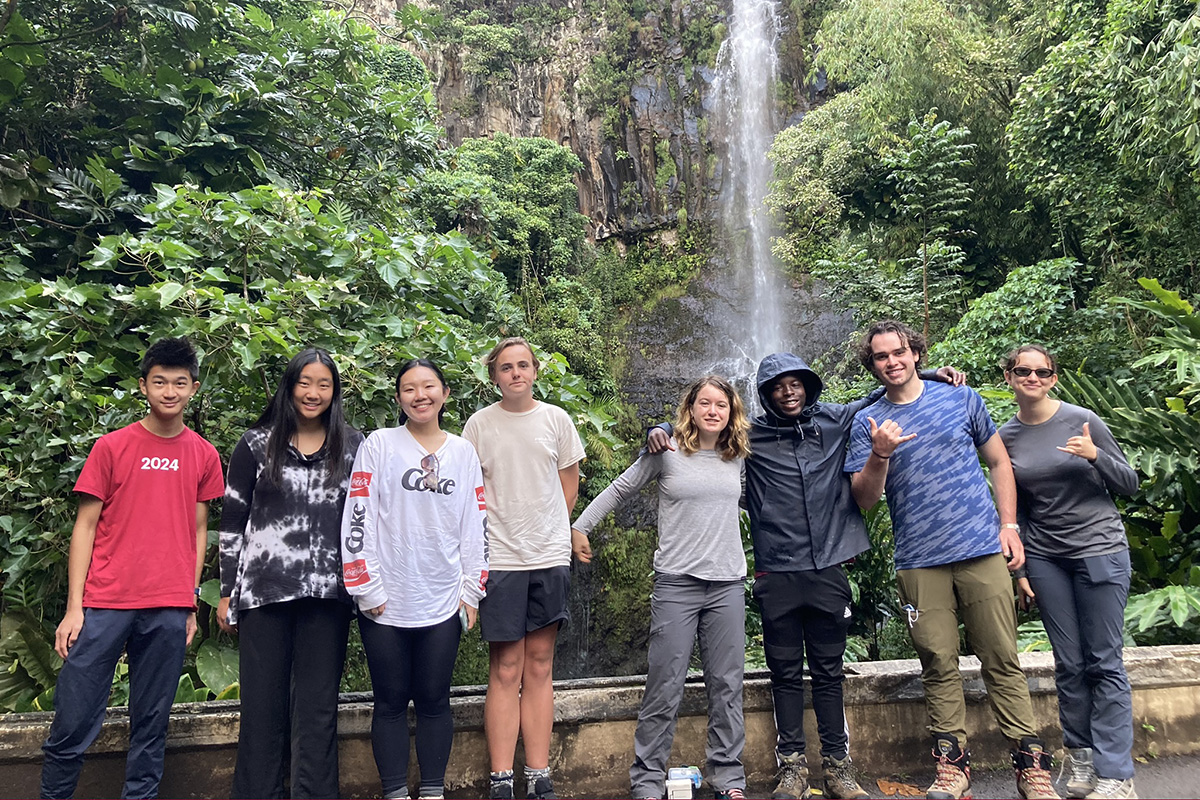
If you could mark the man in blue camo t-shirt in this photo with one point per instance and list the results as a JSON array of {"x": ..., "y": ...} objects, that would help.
[{"x": 921, "y": 442}]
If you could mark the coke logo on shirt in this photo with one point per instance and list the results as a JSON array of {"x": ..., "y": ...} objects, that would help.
[
  {"x": 360, "y": 484},
  {"x": 412, "y": 480}
]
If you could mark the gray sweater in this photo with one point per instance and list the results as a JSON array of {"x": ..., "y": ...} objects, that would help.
[
  {"x": 1064, "y": 502},
  {"x": 698, "y": 528}
]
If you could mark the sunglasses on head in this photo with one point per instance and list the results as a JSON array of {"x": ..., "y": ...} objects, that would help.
[
  {"x": 429, "y": 465},
  {"x": 1025, "y": 372}
]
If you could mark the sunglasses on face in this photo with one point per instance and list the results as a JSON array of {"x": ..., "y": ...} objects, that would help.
[
  {"x": 1025, "y": 372},
  {"x": 429, "y": 465}
]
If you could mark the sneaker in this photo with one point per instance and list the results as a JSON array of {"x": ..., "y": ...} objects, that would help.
[
  {"x": 1112, "y": 787},
  {"x": 1082, "y": 779},
  {"x": 500, "y": 790},
  {"x": 953, "y": 779},
  {"x": 1031, "y": 763},
  {"x": 839, "y": 778},
  {"x": 541, "y": 788},
  {"x": 729, "y": 794},
  {"x": 791, "y": 782}
]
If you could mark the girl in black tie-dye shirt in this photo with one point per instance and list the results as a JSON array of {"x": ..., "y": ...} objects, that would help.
[{"x": 281, "y": 588}]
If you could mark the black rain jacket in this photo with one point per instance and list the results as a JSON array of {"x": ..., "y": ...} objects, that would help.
[{"x": 795, "y": 486}]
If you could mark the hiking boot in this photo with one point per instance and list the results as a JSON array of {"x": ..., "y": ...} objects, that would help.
[
  {"x": 729, "y": 794},
  {"x": 791, "y": 782},
  {"x": 1107, "y": 788},
  {"x": 953, "y": 779},
  {"x": 1082, "y": 779},
  {"x": 839, "y": 778},
  {"x": 500, "y": 789},
  {"x": 1032, "y": 765},
  {"x": 541, "y": 788}
]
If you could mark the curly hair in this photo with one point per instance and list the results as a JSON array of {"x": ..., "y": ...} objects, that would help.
[
  {"x": 914, "y": 340},
  {"x": 734, "y": 441}
]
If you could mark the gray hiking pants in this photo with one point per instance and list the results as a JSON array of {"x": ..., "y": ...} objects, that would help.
[{"x": 680, "y": 608}]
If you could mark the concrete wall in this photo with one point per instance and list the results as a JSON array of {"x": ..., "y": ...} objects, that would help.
[{"x": 593, "y": 733}]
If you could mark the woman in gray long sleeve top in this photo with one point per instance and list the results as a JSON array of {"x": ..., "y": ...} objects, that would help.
[
  {"x": 699, "y": 583},
  {"x": 1067, "y": 467}
]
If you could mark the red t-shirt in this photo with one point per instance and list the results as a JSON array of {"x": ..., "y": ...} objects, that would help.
[{"x": 145, "y": 550}]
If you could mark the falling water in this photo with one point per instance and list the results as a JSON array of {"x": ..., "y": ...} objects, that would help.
[{"x": 749, "y": 68}]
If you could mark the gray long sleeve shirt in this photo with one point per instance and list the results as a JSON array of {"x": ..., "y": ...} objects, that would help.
[
  {"x": 1064, "y": 502},
  {"x": 698, "y": 528}
]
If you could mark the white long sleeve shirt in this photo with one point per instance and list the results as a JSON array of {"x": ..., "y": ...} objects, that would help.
[{"x": 418, "y": 550}]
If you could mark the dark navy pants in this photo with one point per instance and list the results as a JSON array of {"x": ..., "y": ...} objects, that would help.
[
  {"x": 1082, "y": 601},
  {"x": 805, "y": 615},
  {"x": 155, "y": 640}
]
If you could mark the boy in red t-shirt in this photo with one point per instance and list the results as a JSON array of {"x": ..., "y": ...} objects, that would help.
[{"x": 136, "y": 553}]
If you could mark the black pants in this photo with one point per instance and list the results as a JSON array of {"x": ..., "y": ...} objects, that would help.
[
  {"x": 806, "y": 614},
  {"x": 411, "y": 665},
  {"x": 292, "y": 656}
]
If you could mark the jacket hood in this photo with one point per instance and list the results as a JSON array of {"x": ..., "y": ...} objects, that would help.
[{"x": 778, "y": 364}]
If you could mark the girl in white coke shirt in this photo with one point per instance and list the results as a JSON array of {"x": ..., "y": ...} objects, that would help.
[{"x": 414, "y": 557}]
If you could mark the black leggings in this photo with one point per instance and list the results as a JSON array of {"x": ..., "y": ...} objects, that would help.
[{"x": 411, "y": 664}]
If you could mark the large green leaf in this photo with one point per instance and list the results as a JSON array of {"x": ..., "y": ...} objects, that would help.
[{"x": 217, "y": 665}]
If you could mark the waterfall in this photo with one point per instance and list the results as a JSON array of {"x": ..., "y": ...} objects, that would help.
[{"x": 748, "y": 70}]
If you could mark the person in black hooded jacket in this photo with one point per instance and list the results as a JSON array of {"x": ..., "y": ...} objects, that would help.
[{"x": 804, "y": 524}]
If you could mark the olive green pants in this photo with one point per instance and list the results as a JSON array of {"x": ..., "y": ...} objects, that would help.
[{"x": 980, "y": 590}]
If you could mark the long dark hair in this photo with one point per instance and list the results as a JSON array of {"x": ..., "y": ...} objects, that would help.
[
  {"x": 280, "y": 418},
  {"x": 413, "y": 363}
]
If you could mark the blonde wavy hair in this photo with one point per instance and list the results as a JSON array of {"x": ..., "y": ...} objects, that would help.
[{"x": 734, "y": 441}]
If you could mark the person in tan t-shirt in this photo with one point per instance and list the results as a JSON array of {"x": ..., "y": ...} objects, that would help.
[{"x": 530, "y": 453}]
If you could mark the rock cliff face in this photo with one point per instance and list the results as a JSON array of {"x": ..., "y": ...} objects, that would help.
[{"x": 638, "y": 99}]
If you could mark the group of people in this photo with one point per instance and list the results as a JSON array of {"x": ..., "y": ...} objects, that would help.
[{"x": 419, "y": 534}]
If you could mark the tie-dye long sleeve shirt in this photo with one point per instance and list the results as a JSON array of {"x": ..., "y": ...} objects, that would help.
[{"x": 281, "y": 543}]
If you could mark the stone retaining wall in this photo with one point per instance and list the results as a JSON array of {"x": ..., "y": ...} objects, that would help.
[{"x": 593, "y": 733}]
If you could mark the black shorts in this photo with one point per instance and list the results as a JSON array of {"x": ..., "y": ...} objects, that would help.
[{"x": 521, "y": 601}]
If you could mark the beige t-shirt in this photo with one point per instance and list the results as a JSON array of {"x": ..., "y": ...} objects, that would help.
[{"x": 521, "y": 454}]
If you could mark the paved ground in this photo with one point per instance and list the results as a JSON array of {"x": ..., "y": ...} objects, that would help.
[{"x": 1172, "y": 777}]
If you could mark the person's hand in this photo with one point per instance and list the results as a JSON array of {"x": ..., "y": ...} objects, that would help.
[
  {"x": 887, "y": 437},
  {"x": 472, "y": 614},
  {"x": 376, "y": 611},
  {"x": 223, "y": 617},
  {"x": 581, "y": 547},
  {"x": 1082, "y": 446},
  {"x": 68, "y": 631},
  {"x": 657, "y": 441},
  {"x": 192, "y": 627},
  {"x": 952, "y": 376},
  {"x": 1025, "y": 596},
  {"x": 1010, "y": 545}
]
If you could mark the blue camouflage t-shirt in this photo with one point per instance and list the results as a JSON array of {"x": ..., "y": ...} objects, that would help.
[{"x": 941, "y": 506}]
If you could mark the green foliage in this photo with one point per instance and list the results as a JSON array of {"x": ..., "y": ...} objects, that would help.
[
  {"x": 516, "y": 197},
  {"x": 226, "y": 100},
  {"x": 1170, "y": 615},
  {"x": 1038, "y": 303},
  {"x": 1106, "y": 132},
  {"x": 28, "y": 664}
]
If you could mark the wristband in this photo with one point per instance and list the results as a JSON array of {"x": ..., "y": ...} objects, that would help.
[
  {"x": 878, "y": 455},
  {"x": 1012, "y": 526},
  {"x": 1020, "y": 573}
]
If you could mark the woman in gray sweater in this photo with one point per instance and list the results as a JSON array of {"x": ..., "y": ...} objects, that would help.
[
  {"x": 1067, "y": 467},
  {"x": 699, "y": 583}
]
